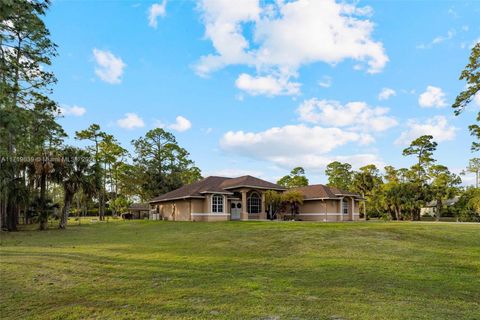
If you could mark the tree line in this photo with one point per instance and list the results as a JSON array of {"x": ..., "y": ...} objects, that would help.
[
  {"x": 39, "y": 173},
  {"x": 400, "y": 194}
]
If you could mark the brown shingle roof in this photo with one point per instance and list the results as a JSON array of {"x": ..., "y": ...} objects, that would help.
[
  {"x": 215, "y": 184},
  {"x": 249, "y": 181},
  {"x": 319, "y": 191},
  {"x": 139, "y": 206}
]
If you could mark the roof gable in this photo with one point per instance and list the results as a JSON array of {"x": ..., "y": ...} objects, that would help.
[
  {"x": 320, "y": 191},
  {"x": 214, "y": 184}
]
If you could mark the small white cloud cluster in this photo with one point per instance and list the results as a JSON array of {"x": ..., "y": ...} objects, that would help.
[
  {"x": 74, "y": 110},
  {"x": 437, "y": 127},
  {"x": 109, "y": 68},
  {"x": 353, "y": 115},
  {"x": 326, "y": 82},
  {"x": 433, "y": 97},
  {"x": 181, "y": 124},
  {"x": 266, "y": 85},
  {"x": 131, "y": 121},
  {"x": 386, "y": 94},
  {"x": 286, "y": 35},
  {"x": 156, "y": 10},
  {"x": 437, "y": 40}
]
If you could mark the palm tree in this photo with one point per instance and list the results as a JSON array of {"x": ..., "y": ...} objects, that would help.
[
  {"x": 293, "y": 199},
  {"x": 73, "y": 173}
]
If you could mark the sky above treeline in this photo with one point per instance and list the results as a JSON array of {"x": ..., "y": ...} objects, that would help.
[{"x": 259, "y": 87}]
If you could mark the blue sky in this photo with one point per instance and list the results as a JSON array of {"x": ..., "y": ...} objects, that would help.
[{"x": 253, "y": 87}]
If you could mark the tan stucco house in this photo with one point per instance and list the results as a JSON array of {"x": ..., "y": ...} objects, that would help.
[{"x": 243, "y": 198}]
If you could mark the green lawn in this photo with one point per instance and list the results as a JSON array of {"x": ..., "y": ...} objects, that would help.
[{"x": 242, "y": 270}]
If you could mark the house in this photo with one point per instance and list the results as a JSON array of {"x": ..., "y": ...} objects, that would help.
[
  {"x": 137, "y": 211},
  {"x": 243, "y": 198},
  {"x": 430, "y": 208},
  {"x": 323, "y": 203}
]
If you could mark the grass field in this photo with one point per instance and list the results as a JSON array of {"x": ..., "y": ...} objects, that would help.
[{"x": 242, "y": 270}]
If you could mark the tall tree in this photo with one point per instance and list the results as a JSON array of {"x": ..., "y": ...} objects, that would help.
[
  {"x": 25, "y": 50},
  {"x": 471, "y": 74},
  {"x": 444, "y": 186},
  {"x": 94, "y": 134},
  {"x": 111, "y": 155},
  {"x": 365, "y": 181},
  {"x": 74, "y": 172},
  {"x": 339, "y": 175},
  {"x": 473, "y": 167},
  {"x": 166, "y": 165},
  {"x": 295, "y": 179},
  {"x": 423, "y": 148}
]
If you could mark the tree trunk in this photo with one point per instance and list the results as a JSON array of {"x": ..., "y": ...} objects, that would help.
[
  {"x": 439, "y": 209},
  {"x": 101, "y": 213},
  {"x": 10, "y": 219},
  {"x": 3, "y": 212},
  {"x": 43, "y": 209},
  {"x": 65, "y": 210}
]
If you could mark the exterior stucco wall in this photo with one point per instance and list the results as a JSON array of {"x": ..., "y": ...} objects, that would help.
[
  {"x": 328, "y": 210},
  {"x": 211, "y": 217},
  {"x": 198, "y": 205},
  {"x": 177, "y": 210}
]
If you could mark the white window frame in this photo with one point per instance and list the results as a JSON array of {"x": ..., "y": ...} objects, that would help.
[
  {"x": 344, "y": 206},
  {"x": 249, "y": 204},
  {"x": 218, "y": 203}
]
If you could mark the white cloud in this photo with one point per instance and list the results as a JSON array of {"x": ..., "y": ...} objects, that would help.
[
  {"x": 267, "y": 85},
  {"x": 287, "y": 35},
  {"x": 181, "y": 124},
  {"x": 433, "y": 97},
  {"x": 476, "y": 99},
  {"x": 437, "y": 40},
  {"x": 441, "y": 39},
  {"x": 109, "y": 68},
  {"x": 156, "y": 10},
  {"x": 386, "y": 94},
  {"x": 436, "y": 126},
  {"x": 130, "y": 121},
  {"x": 75, "y": 111},
  {"x": 291, "y": 144},
  {"x": 326, "y": 82},
  {"x": 356, "y": 115}
]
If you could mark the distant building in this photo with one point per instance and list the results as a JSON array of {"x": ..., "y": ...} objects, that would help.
[
  {"x": 430, "y": 208},
  {"x": 137, "y": 211}
]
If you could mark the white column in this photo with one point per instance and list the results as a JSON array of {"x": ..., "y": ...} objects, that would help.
[
  {"x": 341, "y": 209},
  {"x": 244, "y": 213},
  {"x": 353, "y": 208},
  {"x": 225, "y": 209}
]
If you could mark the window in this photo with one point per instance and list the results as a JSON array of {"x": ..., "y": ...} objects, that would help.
[
  {"x": 254, "y": 203},
  {"x": 345, "y": 206},
  {"x": 217, "y": 203}
]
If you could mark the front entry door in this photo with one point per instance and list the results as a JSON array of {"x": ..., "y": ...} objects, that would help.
[{"x": 235, "y": 210}]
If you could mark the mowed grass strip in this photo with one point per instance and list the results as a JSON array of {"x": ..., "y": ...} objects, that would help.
[{"x": 242, "y": 270}]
